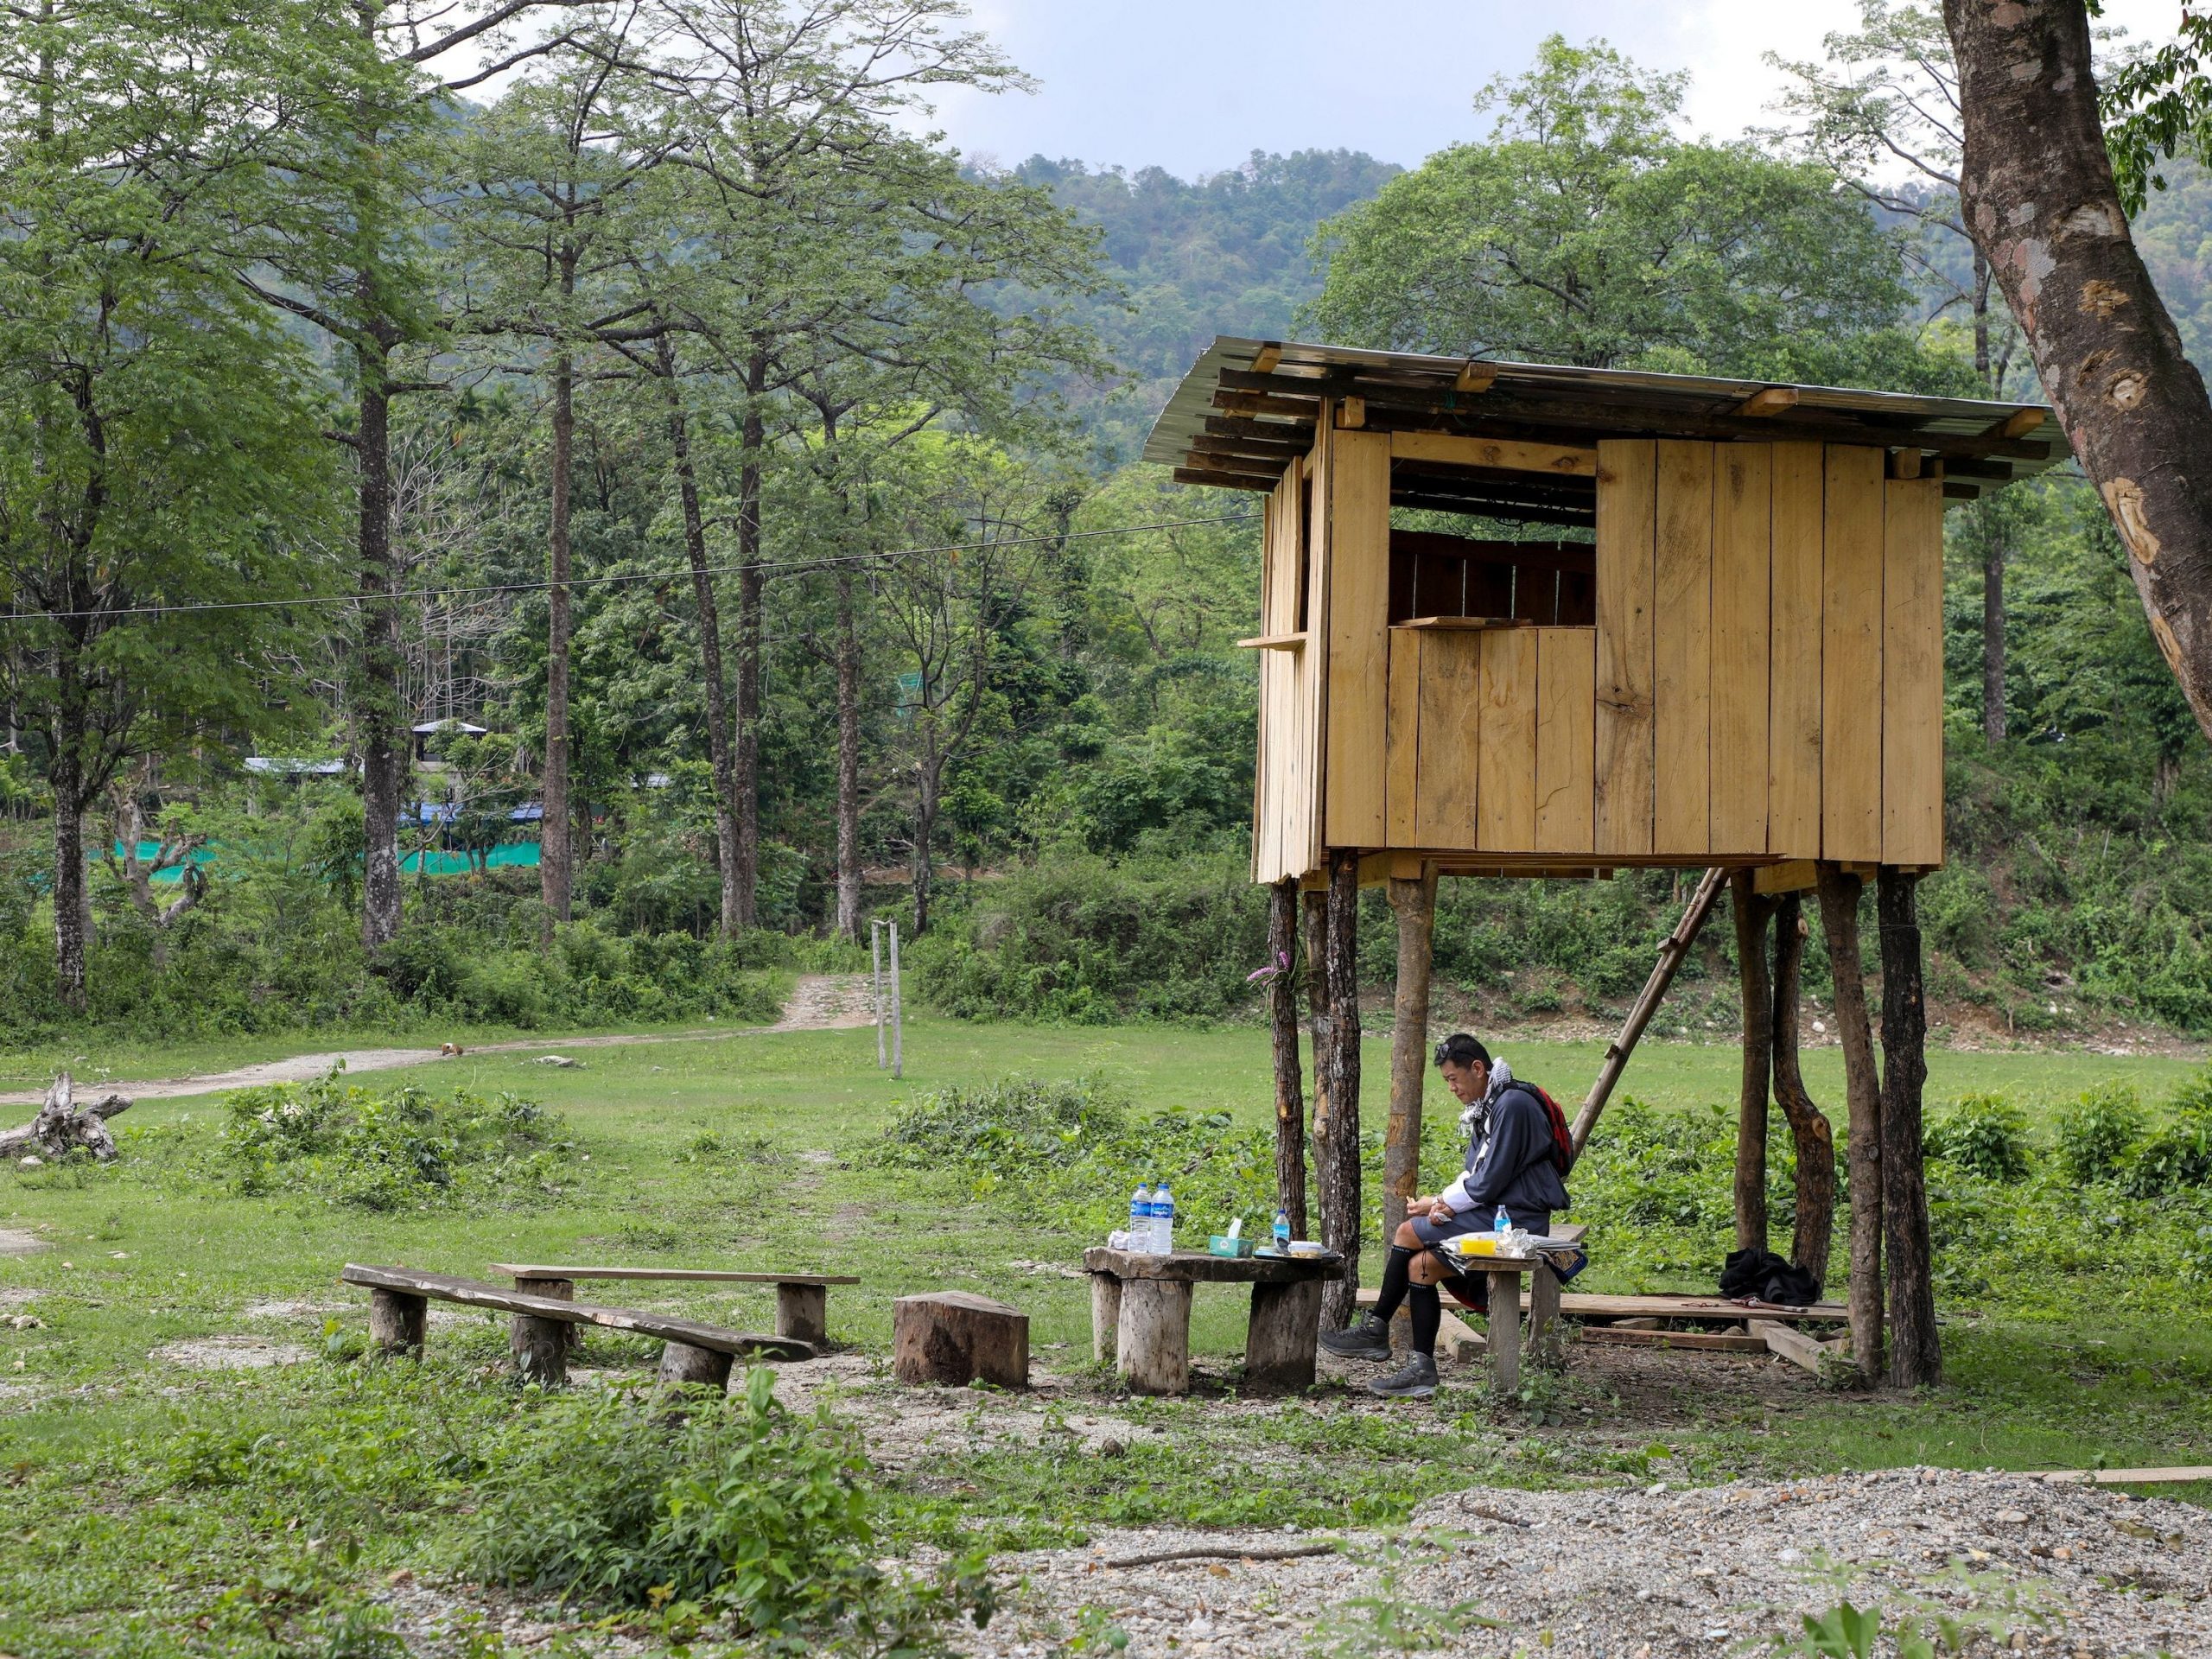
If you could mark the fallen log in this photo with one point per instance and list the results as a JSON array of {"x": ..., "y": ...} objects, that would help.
[{"x": 61, "y": 1125}]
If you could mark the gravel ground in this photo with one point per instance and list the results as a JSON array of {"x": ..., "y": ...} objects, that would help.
[{"x": 1652, "y": 1573}]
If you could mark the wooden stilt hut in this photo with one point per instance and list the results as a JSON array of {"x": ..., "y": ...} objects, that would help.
[{"x": 1663, "y": 621}]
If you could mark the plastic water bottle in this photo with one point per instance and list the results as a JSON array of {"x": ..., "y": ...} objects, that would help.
[
  {"x": 1282, "y": 1231},
  {"x": 1140, "y": 1220},
  {"x": 1163, "y": 1220},
  {"x": 1504, "y": 1222}
]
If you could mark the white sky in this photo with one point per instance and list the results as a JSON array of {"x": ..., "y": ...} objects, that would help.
[{"x": 1194, "y": 86}]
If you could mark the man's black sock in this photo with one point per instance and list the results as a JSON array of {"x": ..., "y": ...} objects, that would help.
[
  {"x": 1396, "y": 1268},
  {"x": 1428, "y": 1314}
]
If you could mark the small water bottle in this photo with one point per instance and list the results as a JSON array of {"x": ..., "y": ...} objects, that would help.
[
  {"x": 1163, "y": 1220},
  {"x": 1140, "y": 1219},
  {"x": 1504, "y": 1222},
  {"x": 1282, "y": 1231}
]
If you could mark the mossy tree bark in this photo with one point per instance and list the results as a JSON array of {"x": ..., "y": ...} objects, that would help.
[
  {"x": 1863, "y": 1086},
  {"x": 1282, "y": 1020},
  {"x": 1752, "y": 913},
  {"x": 1915, "y": 1352},
  {"x": 1336, "y": 1141},
  {"x": 1809, "y": 1129}
]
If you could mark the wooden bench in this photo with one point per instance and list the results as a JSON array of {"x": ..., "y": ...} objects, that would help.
[
  {"x": 802, "y": 1299},
  {"x": 1141, "y": 1314},
  {"x": 398, "y": 1311}
]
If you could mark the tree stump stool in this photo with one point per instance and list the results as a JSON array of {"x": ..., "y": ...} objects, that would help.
[{"x": 955, "y": 1338}]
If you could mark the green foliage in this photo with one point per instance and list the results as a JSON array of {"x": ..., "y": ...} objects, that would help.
[
  {"x": 2096, "y": 1135},
  {"x": 742, "y": 1515},
  {"x": 1088, "y": 942},
  {"x": 405, "y": 1149},
  {"x": 2174, "y": 1160},
  {"x": 1985, "y": 1134},
  {"x": 1075, "y": 1148},
  {"x": 1584, "y": 230}
]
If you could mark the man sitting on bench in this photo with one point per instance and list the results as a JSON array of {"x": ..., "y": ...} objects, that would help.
[{"x": 1513, "y": 1160}]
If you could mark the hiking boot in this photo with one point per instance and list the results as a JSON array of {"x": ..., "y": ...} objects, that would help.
[
  {"x": 1368, "y": 1339},
  {"x": 1414, "y": 1380}
]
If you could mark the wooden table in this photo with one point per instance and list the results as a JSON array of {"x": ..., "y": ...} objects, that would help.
[{"x": 1141, "y": 1314}]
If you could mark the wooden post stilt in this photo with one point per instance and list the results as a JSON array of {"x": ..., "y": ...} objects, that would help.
[
  {"x": 1671, "y": 958},
  {"x": 1105, "y": 1318},
  {"x": 1314, "y": 925},
  {"x": 1751, "y": 913},
  {"x": 1415, "y": 902},
  {"x": 1282, "y": 1020},
  {"x": 1337, "y": 1163},
  {"x": 397, "y": 1320},
  {"x": 1915, "y": 1353},
  {"x": 1863, "y": 1088},
  {"x": 1809, "y": 1126}
]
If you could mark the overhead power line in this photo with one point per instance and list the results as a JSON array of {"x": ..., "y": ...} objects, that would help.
[{"x": 679, "y": 574}]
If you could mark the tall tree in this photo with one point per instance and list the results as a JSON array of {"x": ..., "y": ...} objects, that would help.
[
  {"x": 1584, "y": 230},
  {"x": 2044, "y": 207},
  {"x": 156, "y": 433},
  {"x": 343, "y": 250}
]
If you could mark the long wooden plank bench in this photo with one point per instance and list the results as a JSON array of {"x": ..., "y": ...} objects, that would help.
[
  {"x": 802, "y": 1299},
  {"x": 398, "y": 1311}
]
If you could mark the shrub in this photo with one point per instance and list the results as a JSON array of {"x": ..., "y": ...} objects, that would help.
[
  {"x": 741, "y": 1513},
  {"x": 1076, "y": 1147},
  {"x": 398, "y": 1150},
  {"x": 2176, "y": 1157},
  {"x": 2094, "y": 1138},
  {"x": 1985, "y": 1134}
]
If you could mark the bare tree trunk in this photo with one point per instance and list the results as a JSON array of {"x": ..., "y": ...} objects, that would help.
[
  {"x": 379, "y": 720},
  {"x": 1863, "y": 1085},
  {"x": 2040, "y": 202},
  {"x": 928, "y": 780},
  {"x": 711, "y": 641},
  {"x": 752, "y": 438},
  {"x": 554, "y": 869},
  {"x": 1313, "y": 921},
  {"x": 69, "y": 892},
  {"x": 1337, "y": 1163},
  {"x": 1814, "y": 1235},
  {"x": 848, "y": 759},
  {"x": 1282, "y": 1022},
  {"x": 1916, "y": 1350},
  {"x": 1994, "y": 559},
  {"x": 1415, "y": 903},
  {"x": 1752, "y": 914}
]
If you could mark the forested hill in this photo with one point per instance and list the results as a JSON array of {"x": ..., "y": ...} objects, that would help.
[{"x": 1223, "y": 255}]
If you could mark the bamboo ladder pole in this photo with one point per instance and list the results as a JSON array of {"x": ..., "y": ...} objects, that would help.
[{"x": 1672, "y": 954}]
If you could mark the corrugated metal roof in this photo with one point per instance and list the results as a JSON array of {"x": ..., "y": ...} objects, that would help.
[{"x": 1985, "y": 445}]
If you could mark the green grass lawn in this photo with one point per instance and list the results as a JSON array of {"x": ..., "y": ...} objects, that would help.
[{"x": 112, "y": 1449}]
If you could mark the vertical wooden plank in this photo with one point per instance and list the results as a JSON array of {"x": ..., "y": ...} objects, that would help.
[
  {"x": 1743, "y": 538},
  {"x": 1851, "y": 662},
  {"x": 1505, "y": 802},
  {"x": 1309, "y": 777},
  {"x": 1681, "y": 656},
  {"x": 1912, "y": 673},
  {"x": 1625, "y": 526},
  {"x": 1266, "y": 802},
  {"x": 1403, "y": 722},
  {"x": 1567, "y": 697},
  {"x": 1451, "y": 702},
  {"x": 1359, "y": 601},
  {"x": 1796, "y": 652}
]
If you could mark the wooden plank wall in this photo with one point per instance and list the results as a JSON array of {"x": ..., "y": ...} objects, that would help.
[{"x": 1765, "y": 680}]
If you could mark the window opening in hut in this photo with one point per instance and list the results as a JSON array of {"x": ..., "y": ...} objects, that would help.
[{"x": 1435, "y": 574}]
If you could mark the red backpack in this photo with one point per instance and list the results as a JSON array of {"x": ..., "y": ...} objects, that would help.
[{"x": 1562, "y": 1138}]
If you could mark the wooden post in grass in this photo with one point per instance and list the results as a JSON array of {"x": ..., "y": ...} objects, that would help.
[
  {"x": 1313, "y": 923},
  {"x": 1915, "y": 1352},
  {"x": 1413, "y": 901},
  {"x": 1808, "y": 1125},
  {"x": 1863, "y": 1088},
  {"x": 1337, "y": 1163},
  {"x": 1751, "y": 913},
  {"x": 1282, "y": 1022}
]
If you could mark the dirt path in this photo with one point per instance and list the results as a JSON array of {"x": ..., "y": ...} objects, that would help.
[{"x": 818, "y": 1002}]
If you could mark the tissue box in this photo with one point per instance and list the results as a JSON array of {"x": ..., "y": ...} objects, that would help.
[{"x": 1234, "y": 1249}]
